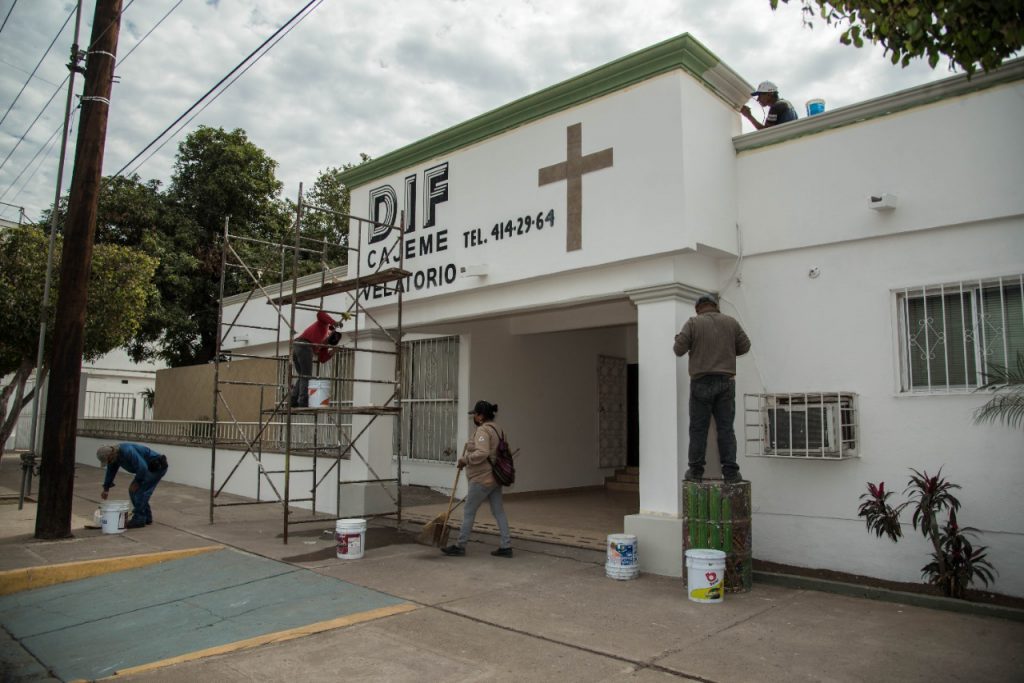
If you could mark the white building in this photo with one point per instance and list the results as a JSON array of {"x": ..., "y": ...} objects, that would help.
[{"x": 563, "y": 239}]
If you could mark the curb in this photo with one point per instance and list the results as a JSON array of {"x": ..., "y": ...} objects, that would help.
[
  {"x": 886, "y": 595},
  {"x": 28, "y": 578}
]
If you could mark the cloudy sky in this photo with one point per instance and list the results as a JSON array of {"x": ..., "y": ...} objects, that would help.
[{"x": 373, "y": 75}]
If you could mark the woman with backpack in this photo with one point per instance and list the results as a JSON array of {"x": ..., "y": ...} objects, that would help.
[{"x": 476, "y": 459}]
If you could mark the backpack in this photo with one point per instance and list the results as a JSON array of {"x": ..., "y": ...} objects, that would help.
[{"x": 502, "y": 466}]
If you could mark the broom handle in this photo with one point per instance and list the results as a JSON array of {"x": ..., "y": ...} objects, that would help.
[{"x": 451, "y": 498}]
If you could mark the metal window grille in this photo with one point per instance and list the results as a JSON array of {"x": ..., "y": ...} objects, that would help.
[
  {"x": 803, "y": 425},
  {"x": 952, "y": 334},
  {"x": 111, "y": 404},
  {"x": 430, "y": 396}
]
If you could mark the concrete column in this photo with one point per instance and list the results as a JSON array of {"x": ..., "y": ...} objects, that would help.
[
  {"x": 664, "y": 387},
  {"x": 373, "y": 434}
]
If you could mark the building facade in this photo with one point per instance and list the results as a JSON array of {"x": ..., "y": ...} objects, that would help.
[{"x": 874, "y": 254}]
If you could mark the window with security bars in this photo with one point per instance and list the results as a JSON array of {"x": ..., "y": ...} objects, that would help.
[
  {"x": 952, "y": 335},
  {"x": 430, "y": 396},
  {"x": 802, "y": 425}
]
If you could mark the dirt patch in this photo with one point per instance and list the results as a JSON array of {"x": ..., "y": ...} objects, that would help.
[{"x": 979, "y": 596}]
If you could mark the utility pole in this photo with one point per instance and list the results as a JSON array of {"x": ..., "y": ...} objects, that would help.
[{"x": 57, "y": 469}]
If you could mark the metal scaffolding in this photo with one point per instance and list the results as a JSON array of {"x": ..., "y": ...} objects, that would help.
[{"x": 306, "y": 436}]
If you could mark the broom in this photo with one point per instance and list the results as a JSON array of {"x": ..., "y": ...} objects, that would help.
[{"x": 435, "y": 532}]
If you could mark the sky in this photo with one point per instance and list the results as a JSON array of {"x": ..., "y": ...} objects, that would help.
[{"x": 370, "y": 76}]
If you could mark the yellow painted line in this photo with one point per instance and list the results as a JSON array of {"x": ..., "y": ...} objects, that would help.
[
  {"x": 276, "y": 637},
  {"x": 15, "y": 580}
]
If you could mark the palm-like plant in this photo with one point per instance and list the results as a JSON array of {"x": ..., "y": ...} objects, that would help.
[
  {"x": 1007, "y": 403},
  {"x": 956, "y": 563}
]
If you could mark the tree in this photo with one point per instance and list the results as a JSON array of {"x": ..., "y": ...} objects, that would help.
[
  {"x": 970, "y": 33},
  {"x": 330, "y": 193},
  {"x": 120, "y": 289}
]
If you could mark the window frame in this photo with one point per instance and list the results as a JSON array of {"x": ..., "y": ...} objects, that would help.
[{"x": 976, "y": 333}]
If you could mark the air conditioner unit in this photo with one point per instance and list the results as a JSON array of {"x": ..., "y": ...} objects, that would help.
[{"x": 813, "y": 425}]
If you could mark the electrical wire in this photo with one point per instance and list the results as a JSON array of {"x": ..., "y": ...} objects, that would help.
[
  {"x": 27, "y": 80},
  {"x": 64, "y": 82},
  {"x": 13, "y": 4},
  {"x": 122, "y": 60},
  {"x": 214, "y": 98},
  {"x": 29, "y": 164},
  {"x": 178, "y": 120}
]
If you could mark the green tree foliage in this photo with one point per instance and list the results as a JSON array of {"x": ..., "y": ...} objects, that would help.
[
  {"x": 120, "y": 290},
  {"x": 970, "y": 33},
  {"x": 217, "y": 175},
  {"x": 328, "y": 227}
]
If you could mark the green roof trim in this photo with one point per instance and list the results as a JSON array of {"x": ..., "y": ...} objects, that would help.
[{"x": 682, "y": 52}]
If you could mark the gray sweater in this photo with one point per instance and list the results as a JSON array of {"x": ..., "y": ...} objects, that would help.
[{"x": 713, "y": 341}]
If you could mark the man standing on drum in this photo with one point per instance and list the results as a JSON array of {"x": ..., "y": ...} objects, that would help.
[{"x": 713, "y": 340}]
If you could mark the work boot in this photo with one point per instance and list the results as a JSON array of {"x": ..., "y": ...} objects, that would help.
[
  {"x": 135, "y": 523},
  {"x": 733, "y": 477},
  {"x": 502, "y": 552},
  {"x": 694, "y": 475},
  {"x": 454, "y": 551}
]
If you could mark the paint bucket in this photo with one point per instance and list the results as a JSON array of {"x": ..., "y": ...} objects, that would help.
[
  {"x": 705, "y": 575},
  {"x": 622, "y": 562},
  {"x": 351, "y": 537},
  {"x": 113, "y": 514},
  {"x": 319, "y": 393},
  {"x": 815, "y": 107}
]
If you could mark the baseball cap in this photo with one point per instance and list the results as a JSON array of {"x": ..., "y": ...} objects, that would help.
[
  {"x": 707, "y": 299},
  {"x": 481, "y": 408},
  {"x": 765, "y": 87}
]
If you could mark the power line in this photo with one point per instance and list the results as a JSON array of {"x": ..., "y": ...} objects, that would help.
[
  {"x": 46, "y": 145},
  {"x": 143, "y": 38},
  {"x": 27, "y": 80},
  {"x": 214, "y": 98},
  {"x": 8, "y": 15},
  {"x": 61, "y": 86},
  {"x": 217, "y": 85}
]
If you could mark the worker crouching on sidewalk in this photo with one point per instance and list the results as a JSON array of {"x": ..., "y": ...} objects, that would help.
[{"x": 148, "y": 466}]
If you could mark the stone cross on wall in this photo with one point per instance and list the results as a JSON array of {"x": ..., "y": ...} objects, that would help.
[{"x": 572, "y": 170}]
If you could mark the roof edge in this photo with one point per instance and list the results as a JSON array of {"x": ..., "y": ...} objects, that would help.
[
  {"x": 909, "y": 98},
  {"x": 681, "y": 52}
]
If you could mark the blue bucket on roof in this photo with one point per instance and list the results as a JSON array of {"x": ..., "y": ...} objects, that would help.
[{"x": 815, "y": 106}]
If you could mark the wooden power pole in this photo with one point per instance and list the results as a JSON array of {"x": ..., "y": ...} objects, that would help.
[{"x": 57, "y": 468}]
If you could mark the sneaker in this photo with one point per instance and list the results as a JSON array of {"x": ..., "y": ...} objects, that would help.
[
  {"x": 135, "y": 524},
  {"x": 733, "y": 477},
  {"x": 502, "y": 552},
  {"x": 454, "y": 551},
  {"x": 694, "y": 475}
]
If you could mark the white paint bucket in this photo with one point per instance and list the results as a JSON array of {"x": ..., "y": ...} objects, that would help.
[
  {"x": 705, "y": 575},
  {"x": 623, "y": 562},
  {"x": 351, "y": 537},
  {"x": 113, "y": 515},
  {"x": 319, "y": 393}
]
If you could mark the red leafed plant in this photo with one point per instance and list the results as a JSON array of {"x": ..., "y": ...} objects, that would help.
[{"x": 956, "y": 563}]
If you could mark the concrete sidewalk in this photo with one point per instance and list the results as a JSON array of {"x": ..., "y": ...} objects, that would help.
[{"x": 549, "y": 613}]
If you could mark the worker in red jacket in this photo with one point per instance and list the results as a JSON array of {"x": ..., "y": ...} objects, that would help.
[{"x": 323, "y": 337}]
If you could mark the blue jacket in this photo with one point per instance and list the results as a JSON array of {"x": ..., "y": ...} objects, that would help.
[{"x": 133, "y": 458}]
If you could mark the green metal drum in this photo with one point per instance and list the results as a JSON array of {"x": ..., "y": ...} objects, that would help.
[{"x": 716, "y": 515}]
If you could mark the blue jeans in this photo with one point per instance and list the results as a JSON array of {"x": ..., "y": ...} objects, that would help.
[
  {"x": 140, "y": 499},
  {"x": 713, "y": 395},
  {"x": 302, "y": 360},
  {"x": 478, "y": 493}
]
